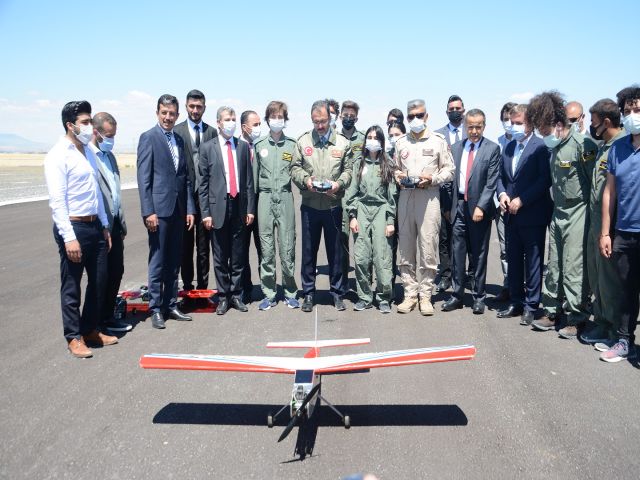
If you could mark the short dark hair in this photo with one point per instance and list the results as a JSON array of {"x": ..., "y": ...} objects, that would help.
[
  {"x": 350, "y": 104},
  {"x": 321, "y": 105},
  {"x": 399, "y": 125},
  {"x": 100, "y": 118},
  {"x": 244, "y": 116},
  {"x": 397, "y": 114},
  {"x": 506, "y": 108},
  {"x": 476, "y": 112},
  {"x": 547, "y": 109},
  {"x": 71, "y": 110},
  {"x": 333, "y": 103},
  {"x": 454, "y": 98},
  {"x": 167, "y": 99},
  {"x": 627, "y": 95},
  {"x": 607, "y": 108},
  {"x": 274, "y": 107},
  {"x": 195, "y": 95}
]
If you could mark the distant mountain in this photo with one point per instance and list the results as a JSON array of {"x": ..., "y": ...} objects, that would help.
[{"x": 11, "y": 143}]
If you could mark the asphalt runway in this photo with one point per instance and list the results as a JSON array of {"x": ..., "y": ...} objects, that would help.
[{"x": 530, "y": 405}]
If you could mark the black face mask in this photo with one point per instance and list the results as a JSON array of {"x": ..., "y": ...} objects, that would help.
[
  {"x": 593, "y": 132},
  {"x": 348, "y": 123},
  {"x": 455, "y": 116}
]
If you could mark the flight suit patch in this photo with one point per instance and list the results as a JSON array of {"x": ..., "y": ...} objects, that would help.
[
  {"x": 427, "y": 152},
  {"x": 357, "y": 147},
  {"x": 286, "y": 156},
  {"x": 335, "y": 153},
  {"x": 264, "y": 153},
  {"x": 564, "y": 164},
  {"x": 404, "y": 154},
  {"x": 308, "y": 151},
  {"x": 603, "y": 164},
  {"x": 588, "y": 156}
]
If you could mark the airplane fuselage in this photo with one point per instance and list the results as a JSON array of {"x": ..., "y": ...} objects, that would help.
[{"x": 304, "y": 381}]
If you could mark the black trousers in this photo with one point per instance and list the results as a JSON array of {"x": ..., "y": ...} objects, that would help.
[
  {"x": 94, "y": 261},
  {"x": 525, "y": 257},
  {"x": 228, "y": 244},
  {"x": 165, "y": 253},
  {"x": 444, "y": 248},
  {"x": 202, "y": 239},
  {"x": 315, "y": 223},
  {"x": 626, "y": 254},
  {"x": 252, "y": 231},
  {"x": 115, "y": 271},
  {"x": 471, "y": 237}
]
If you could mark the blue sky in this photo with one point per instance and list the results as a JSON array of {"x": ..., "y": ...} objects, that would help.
[{"x": 122, "y": 55}]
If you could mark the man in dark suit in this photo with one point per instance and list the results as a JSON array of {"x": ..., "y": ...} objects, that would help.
[
  {"x": 472, "y": 208},
  {"x": 523, "y": 191},
  {"x": 194, "y": 132},
  {"x": 227, "y": 201},
  {"x": 166, "y": 201}
]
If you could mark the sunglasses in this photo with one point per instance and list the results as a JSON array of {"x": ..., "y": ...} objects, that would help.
[{"x": 417, "y": 115}]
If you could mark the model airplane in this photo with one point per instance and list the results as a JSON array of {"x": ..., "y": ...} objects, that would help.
[{"x": 308, "y": 370}]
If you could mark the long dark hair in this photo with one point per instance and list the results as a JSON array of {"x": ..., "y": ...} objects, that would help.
[{"x": 386, "y": 172}]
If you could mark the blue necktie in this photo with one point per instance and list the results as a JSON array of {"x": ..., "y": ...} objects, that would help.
[{"x": 173, "y": 153}]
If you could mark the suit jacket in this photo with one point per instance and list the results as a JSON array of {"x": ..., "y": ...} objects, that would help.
[
  {"x": 105, "y": 188},
  {"x": 482, "y": 178},
  {"x": 446, "y": 189},
  {"x": 191, "y": 153},
  {"x": 213, "y": 183},
  {"x": 531, "y": 182},
  {"x": 159, "y": 184}
]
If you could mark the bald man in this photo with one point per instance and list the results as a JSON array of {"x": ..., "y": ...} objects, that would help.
[{"x": 575, "y": 115}]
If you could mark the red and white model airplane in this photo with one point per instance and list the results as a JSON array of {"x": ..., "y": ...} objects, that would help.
[{"x": 308, "y": 370}]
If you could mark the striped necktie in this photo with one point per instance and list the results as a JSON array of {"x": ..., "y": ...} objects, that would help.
[{"x": 173, "y": 153}]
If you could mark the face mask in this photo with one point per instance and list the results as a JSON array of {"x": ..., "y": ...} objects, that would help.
[
  {"x": 106, "y": 145},
  {"x": 348, "y": 123},
  {"x": 372, "y": 145},
  {"x": 255, "y": 133},
  {"x": 593, "y": 131},
  {"x": 276, "y": 124},
  {"x": 632, "y": 123},
  {"x": 576, "y": 127},
  {"x": 455, "y": 116},
  {"x": 85, "y": 134},
  {"x": 332, "y": 120},
  {"x": 228, "y": 128},
  {"x": 517, "y": 132},
  {"x": 506, "y": 125},
  {"x": 393, "y": 141},
  {"x": 551, "y": 141},
  {"x": 417, "y": 125}
]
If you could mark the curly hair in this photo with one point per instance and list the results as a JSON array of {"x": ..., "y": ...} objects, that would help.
[
  {"x": 628, "y": 95},
  {"x": 547, "y": 108}
]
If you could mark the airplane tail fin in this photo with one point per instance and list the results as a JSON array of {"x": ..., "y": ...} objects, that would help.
[{"x": 314, "y": 346}]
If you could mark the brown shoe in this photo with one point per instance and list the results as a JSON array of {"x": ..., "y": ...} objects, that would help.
[
  {"x": 99, "y": 339},
  {"x": 544, "y": 324},
  {"x": 79, "y": 349}
]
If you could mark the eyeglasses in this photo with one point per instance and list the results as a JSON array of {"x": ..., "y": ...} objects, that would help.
[
  {"x": 573, "y": 120},
  {"x": 417, "y": 115}
]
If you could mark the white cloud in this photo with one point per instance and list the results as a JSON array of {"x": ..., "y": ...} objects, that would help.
[
  {"x": 44, "y": 103},
  {"x": 521, "y": 97},
  {"x": 138, "y": 95}
]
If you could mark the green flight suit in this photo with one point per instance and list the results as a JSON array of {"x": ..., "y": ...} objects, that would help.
[
  {"x": 374, "y": 206},
  {"x": 603, "y": 277},
  {"x": 276, "y": 211},
  {"x": 566, "y": 285},
  {"x": 356, "y": 140}
]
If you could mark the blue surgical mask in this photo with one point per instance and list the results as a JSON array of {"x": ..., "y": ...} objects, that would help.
[
  {"x": 551, "y": 141},
  {"x": 106, "y": 145},
  {"x": 517, "y": 132},
  {"x": 632, "y": 123}
]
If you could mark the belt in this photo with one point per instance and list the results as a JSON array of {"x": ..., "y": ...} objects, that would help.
[{"x": 86, "y": 218}]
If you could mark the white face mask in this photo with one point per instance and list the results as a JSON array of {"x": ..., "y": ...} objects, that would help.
[
  {"x": 85, "y": 134},
  {"x": 417, "y": 125},
  {"x": 393, "y": 140},
  {"x": 276, "y": 124},
  {"x": 517, "y": 132},
  {"x": 632, "y": 123},
  {"x": 506, "y": 125},
  {"x": 229, "y": 128},
  {"x": 372, "y": 145},
  {"x": 255, "y": 132}
]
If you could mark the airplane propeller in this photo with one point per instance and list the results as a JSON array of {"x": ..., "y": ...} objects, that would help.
[{"x": 294, "y": 420}]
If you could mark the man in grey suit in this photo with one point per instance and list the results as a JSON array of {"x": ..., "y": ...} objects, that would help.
[
  {"x": 104, "y": 132},
  {"x": 194, "y": 132},
  {"x": 228, "y": 204},
  {"x": 165, "y": 201},
  {"x": 453, "y": 132},
  {"x": 477, "y": 161}
]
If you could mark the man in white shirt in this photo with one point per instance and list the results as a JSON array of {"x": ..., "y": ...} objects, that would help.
[{"x": 81, "y": 228}]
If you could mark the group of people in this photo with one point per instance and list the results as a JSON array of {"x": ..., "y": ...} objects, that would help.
[{"x": 424, "y": 200}]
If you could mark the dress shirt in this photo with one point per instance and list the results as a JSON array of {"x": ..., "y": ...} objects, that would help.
[
  {"x": 72, "y": 181},
  {"x": 325, "y": 138},
  {"x": 174, "y": 146},
  {"x": 192, "y": 131},
  {"x": 251, "y": 146},
  {"x": 516, "y": 157},
  {"x": 108, "y": 170},
  {"x": 453, "y": 133},
  {"x": 225, "y": 160},
  {"x": 462, "y": 175}
]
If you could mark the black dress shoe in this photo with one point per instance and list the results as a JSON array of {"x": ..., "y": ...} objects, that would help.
[
  {"x": 452, "y": 304},
  {"x": 444, "y": 285},
  {"x": 478, "y": 307},
  {"x": 526, "y": 318},
  {"x": 157, "y": 321},
  {"x": 503, "y": 296},
  {"x": 237, "y": 303},
  {"x": 339, "y": 304},
  {"x": 176, "y": 314},
  {"x": 510, "y": 311},
  {"x": 223, "y": 306},
  {"x": 307, "y": 304}
]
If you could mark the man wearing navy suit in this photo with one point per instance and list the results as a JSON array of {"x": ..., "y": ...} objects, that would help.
[
  {"x": 228, "y": 205},
  {"x": 523, "y": 191},
  {"x": 166, "y": 201},
  {"x": 472, "y": 209}
]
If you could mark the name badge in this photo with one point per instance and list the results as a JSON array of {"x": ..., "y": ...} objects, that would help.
[
  {"x": 286, "y": 156},
  {"x": 427, "y": 152},
  {"x": 336, "y": 153}
]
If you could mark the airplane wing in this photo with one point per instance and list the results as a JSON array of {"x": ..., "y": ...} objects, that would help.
[{"x": 320, "y": 365}]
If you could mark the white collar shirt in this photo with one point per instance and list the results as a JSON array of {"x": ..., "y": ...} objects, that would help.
[
  {"x": 455, "y": 131},
  {"x": 464, "y": 160},
  {"x": 192, "y": 130},
  {"x": 224, "y": 150}
]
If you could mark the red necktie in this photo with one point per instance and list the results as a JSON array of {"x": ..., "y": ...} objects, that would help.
[
  {"x": 233, "y": 187},
  {"x": 469, "y": 166}
]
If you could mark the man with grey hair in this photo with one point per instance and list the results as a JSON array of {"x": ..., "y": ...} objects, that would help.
[
  {"x": 423, "y": 162},
  {"x": 321, "y": 168}
]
